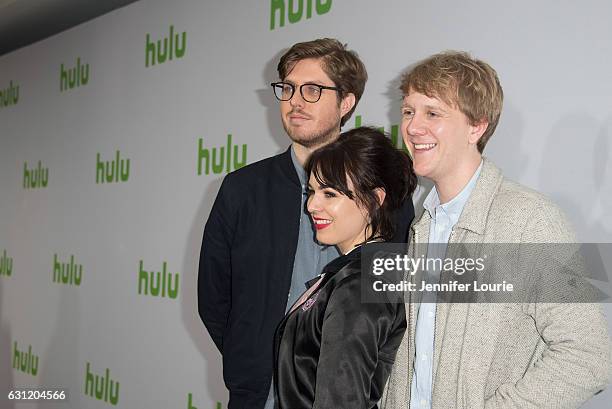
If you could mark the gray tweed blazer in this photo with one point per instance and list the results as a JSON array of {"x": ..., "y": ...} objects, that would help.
[{"x": 516, "y": 355}]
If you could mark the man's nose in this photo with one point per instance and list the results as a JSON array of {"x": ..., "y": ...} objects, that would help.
[
  {"x": 415, "y": 125},
  {"x": 297, "y": 99}
]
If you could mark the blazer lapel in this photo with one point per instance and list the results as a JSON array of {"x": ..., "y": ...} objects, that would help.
[
  {"x": 453, "y": 319},
  {"x": 397, "y": 392}
]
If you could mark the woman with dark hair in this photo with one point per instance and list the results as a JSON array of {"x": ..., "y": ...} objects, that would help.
[{"x": 332, "y": 350}]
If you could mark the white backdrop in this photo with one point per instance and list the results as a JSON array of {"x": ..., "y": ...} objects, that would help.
[{"x": 553, "y": 59}]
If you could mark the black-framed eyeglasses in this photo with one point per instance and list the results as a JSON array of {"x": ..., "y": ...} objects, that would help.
[{"x": 310, "y": 92}]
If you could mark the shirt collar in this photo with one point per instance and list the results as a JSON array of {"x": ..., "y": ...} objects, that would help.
[{"x": 454, "y": 207}]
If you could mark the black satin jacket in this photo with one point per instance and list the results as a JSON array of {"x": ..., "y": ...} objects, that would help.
[{"x": 334, "y": 351}]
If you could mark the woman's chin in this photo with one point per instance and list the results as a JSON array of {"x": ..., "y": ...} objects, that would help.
[{"x": 325, "y": 242}]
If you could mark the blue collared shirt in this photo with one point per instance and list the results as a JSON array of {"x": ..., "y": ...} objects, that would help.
[{"x": 443, "y": 218}]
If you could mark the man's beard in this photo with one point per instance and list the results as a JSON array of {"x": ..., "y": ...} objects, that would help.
[{"x": 319, "y": 138}]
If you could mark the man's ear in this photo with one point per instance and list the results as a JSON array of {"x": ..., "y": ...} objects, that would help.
[
  {"x": 477, "y": 130},
  {"x": 347, "y": 103}
]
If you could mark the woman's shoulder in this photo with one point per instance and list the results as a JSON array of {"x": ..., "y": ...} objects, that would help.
[{"x": 343, "y": 268}]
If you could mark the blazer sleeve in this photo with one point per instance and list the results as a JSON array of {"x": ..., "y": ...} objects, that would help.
[
  {"x": 572, "y": 369},
  {"x": 215, "y": 267},
  {"x": 352, "y": 334},
  {"x": 403, "y": 218},
  {"x": 576, "y": 362}
]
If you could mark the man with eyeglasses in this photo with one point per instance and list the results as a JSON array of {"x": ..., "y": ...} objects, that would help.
[{"x": 258, "y": 249}]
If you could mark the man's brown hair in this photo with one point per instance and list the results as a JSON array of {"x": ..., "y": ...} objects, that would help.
[{"x": 341, "y": 65}]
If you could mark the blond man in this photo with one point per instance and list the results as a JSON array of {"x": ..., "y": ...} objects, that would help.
[{"x": 517, "y": 355}]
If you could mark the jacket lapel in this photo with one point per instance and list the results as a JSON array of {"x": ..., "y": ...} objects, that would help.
[
  {"x": 452, "y": 319},
  {"x": 470, "y": 227}
]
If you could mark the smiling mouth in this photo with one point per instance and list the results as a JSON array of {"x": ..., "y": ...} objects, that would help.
[
  {"x": 424, "y": 146},
  {"x": 321, "y": 223}
]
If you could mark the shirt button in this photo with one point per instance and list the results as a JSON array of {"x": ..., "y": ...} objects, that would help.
[
  {"x": 423, "y": 402},
  {"x": 424, "y": 357},
  {"x": 431, "y": 314}
]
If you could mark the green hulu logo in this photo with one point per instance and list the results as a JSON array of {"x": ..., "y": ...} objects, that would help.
[
  {"x": 117, "y": 170},
  {"x": 101, "y": 387},
  {"x": 394, "y": 134},
  {"x": 171, "y": 48},
  {"x": 25, "y": 362},
  {"x": 67, "y": 273},
  {"x": 157, "y": 284},
  {"x": 295, "y": 10},
  {"x": 190, "y": 404},
  {"x": 9, "y": 96},
  {"x": 6, "y": 265},
  {"x": 74, "y": 77},
  {"x": 222, "y": 157},
  {"x": 35, "y": 178}
]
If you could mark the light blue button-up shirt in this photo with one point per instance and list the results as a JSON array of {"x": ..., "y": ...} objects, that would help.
[{"x": 443, "y": 218}]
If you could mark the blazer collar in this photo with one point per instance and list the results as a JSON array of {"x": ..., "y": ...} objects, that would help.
[
  {"x": 287, "y": 168},
  {"x": 476, "y": 210}
]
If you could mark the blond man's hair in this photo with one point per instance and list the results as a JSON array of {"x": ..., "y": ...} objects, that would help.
[{"x": 462, "y": 82}]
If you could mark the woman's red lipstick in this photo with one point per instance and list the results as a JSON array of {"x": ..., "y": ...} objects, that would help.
[{"x": 320, "y": 223}]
